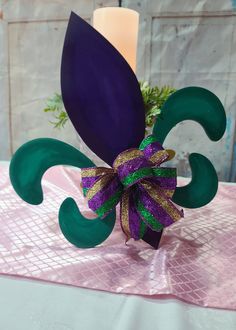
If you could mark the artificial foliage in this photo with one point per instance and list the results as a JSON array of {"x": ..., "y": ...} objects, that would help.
[
  {"x": 55, "y": 106},
  {"x": 153, "y": 98}
]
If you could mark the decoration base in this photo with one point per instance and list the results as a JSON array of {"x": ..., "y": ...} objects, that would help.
[{"x": 152, "y": 238}]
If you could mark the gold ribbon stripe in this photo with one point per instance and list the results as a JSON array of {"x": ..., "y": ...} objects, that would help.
[
  {"x": 90, "y": 172},
  {"x": 126, "y": 156},
  {"x": 99, "y": 185},
  {"x": 155, "y": 193},
  {"x": 125, "y": 213}
]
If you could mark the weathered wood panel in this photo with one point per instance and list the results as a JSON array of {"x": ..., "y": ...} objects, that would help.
[
  {"x": 192, "y": 43},
  {"x": 25, "y": 10},
  {"x": 4, "y": 94},
  {"x": 183, "y": 56}
]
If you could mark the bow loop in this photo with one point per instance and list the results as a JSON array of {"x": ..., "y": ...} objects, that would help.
[
  {"x": 143, "y": 188},
  {"x": 132, "y": 166},
  {"x": 153, "y": 151}
]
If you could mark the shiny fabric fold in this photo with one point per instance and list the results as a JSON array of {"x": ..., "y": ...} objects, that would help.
[{"x": 195, "y": 262}]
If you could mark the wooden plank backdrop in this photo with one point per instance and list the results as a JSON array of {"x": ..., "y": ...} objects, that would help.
[{"x": 180, "y": 44}]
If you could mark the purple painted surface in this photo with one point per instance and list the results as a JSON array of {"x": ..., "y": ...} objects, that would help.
[{"x": 100, "y": 92}]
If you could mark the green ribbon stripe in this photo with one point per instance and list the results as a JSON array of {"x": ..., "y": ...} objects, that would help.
[
  {"x": 151, "y": 220},
  {"x": 148, "y": 171},
  {"x": 109, "y": 204},
  {"x": 164, "y": 172},
  {"x": 137, "y": 175},
  {"x": 150, "y": 139},
  {"x": 85, "y": 190},
  {"x": 142, "y": 228}
]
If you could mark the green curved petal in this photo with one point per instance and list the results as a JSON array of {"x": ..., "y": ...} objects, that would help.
[
  {"x": 203, "y": 186},
  {"x": 192, "y": 103},
  {"x": 27, "y": 168},
  {"x": 200, "y": 105},
  {"x": 34, "y": 158},
  {"x": 82, "y": 232}
]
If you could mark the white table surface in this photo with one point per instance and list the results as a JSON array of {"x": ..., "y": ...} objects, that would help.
[{"x": 34, "y": 305}]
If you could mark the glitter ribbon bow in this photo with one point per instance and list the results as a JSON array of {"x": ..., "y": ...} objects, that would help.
[{"x": 137, "y": 181}]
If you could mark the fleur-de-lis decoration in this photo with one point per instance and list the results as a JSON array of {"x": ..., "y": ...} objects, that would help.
[{"x": 103, "y": 100}]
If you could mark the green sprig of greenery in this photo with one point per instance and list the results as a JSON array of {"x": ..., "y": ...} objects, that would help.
[
  {"x": 55, "y": 106},
  {"x": 153, "y": 98}
]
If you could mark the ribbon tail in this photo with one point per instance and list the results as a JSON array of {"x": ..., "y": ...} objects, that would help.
[
  {"x": 148, "y": 212},
  {"x": 157, "y": 208},
  {"x": 166, "y": 178},
  {"x": 130, "y": 221}
]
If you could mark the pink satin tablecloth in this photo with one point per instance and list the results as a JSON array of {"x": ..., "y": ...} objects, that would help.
[{"x": 196, "y": 261}]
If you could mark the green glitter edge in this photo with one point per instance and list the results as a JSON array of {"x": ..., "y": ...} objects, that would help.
[
  {"x": 142, "y": 229},
  {"x": 150, "y": 139},
  {"x": 164, "y": 172},
  {"x": 109, "y": 204},
  {"x": 85, "y": 190},
  {"x": 137, "y": 175},
  {"x": 152, "y": 221}
]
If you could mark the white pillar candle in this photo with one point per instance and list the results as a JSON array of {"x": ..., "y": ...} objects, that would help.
[{"x": 120, "y": 27}]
